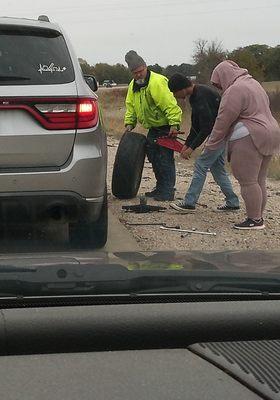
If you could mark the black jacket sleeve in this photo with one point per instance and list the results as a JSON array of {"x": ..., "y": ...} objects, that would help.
[
  {"x": 193, "y": 131},
  {"x": 205, "y": 124},
  {"x": 191, "y": 137}
]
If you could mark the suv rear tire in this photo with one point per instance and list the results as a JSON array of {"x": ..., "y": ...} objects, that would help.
[
  {"x": 128, "y": 166},
  {"x": 91, "y": 235}
]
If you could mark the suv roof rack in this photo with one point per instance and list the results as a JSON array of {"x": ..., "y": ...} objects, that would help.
[{"x": 43, "y": 18}]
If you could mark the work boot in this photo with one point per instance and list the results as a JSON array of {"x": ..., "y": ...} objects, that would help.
[
  {"x": 153, "y": 193},
  {"x": 164, "y": 197}
]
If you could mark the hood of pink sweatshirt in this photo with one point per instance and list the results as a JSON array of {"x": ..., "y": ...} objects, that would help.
[
  {"x": 243, "y": 100},
  {"x": 226, "y": 73}
]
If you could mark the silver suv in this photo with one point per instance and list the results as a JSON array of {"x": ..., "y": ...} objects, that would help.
[{"x": 53, "y": 152}]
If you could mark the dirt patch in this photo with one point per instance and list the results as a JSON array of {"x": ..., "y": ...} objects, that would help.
[{"x": 153, "y": 238}]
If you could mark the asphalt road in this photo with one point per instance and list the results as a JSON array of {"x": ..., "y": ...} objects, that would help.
[{"x": 54, "y": 241}]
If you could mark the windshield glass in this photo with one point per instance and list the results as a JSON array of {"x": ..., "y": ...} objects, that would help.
[{"x": 139, "y": 148}]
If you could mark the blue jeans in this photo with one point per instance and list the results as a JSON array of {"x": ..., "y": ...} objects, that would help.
[
  {"x": 162, "y": 160},
  {"x": 215, "y": 161}
]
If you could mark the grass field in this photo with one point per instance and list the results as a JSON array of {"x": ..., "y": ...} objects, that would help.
[
  {"x": 271, "y": 86},
  {"x": 113, "y": 108}
]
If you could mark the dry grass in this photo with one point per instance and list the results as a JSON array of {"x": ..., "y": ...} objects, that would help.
[
  {"x": 271, "y": 86},
  {"x": 112, "y": 101},
  {"x": 113, "y": 107},
  {"x": 274, "y": 168},
  {"x": 274, "y": 98}
]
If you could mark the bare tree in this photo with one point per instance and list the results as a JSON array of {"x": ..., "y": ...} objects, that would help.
[
  {"x": 207, "y": 55},
  {"x": 200, "y": 49}
]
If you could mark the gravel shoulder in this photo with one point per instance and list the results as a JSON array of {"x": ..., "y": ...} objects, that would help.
[{"x": 205, "y": 218}]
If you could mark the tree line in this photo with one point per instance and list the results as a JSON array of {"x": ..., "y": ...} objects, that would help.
[{"x": 261, "y": 60}]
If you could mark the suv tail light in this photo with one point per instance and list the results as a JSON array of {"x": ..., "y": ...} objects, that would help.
[
  {"x": 82, "y": 113},
  {"x": 58, "y": 113},
  {"x": 87, "y": 113}
]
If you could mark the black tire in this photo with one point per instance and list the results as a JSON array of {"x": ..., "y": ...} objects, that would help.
[
  {"x": 128, "y": 166},
  {"x": 91, "y": 235}
]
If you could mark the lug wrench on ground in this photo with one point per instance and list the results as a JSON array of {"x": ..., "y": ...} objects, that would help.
[
  {"x": 189, "y": 231},
  {"x": 163, "y": 224}
]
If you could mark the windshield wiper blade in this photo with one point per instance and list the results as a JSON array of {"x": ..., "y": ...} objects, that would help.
[
  {"x": 13, "y": 78},
  {"x": 110, "y": 279},
  {"x": 69, "y": 279},
  {"x": 8, "y": 269},
  {"x": 220, "y": 284}
]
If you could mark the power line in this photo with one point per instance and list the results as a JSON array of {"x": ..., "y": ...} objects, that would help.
[
  {"x": 219, "y": 11},
  {"x": 116, "y": 5}
]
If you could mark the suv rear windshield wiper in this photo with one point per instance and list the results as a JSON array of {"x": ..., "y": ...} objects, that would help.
[{"x": 13, "y": 78}]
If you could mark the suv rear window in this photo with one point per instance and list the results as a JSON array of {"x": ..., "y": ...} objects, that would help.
[{"x": 33, "y": 56}]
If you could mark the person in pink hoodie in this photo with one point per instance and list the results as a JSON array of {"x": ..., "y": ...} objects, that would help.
[{"x": 246, "y": 124}]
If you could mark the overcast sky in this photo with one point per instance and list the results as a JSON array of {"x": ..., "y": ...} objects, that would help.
[{"x": 162, "y": 31}]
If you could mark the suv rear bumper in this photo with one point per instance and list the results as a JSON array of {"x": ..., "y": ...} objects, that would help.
[
  {"x": 48, "y": 206},
  {"x": 84, "y": 173}
]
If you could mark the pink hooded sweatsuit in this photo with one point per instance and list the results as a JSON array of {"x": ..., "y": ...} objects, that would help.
[{"x": 245, "y": 101}]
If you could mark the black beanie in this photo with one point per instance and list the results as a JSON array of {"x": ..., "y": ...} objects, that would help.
[
  {"x": 178, "y": 82},
  {"x": 134, "y": 60}
]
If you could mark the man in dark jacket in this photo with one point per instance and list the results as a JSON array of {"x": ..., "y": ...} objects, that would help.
[{"x": 204, "y": 102}]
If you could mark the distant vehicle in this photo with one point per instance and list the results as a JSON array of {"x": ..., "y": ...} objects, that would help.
[{"x": 109, "y": 83}]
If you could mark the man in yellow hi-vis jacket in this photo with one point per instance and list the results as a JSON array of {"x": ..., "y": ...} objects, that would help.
[{"x": 150, "y": 102}]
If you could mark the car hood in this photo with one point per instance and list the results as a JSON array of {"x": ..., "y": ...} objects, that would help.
[{"x": 254, "y": 261}]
